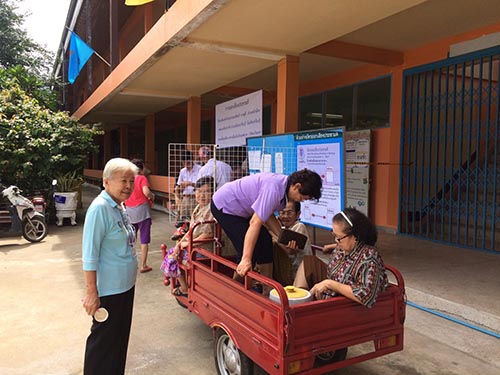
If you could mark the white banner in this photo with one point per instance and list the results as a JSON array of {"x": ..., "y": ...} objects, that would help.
[
  {"x": 237, "y": 119},
  {"x": 357, "y": 169}
]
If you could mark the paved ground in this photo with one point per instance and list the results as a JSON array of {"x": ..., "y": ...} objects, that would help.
[{"x": 43, "y": 326}]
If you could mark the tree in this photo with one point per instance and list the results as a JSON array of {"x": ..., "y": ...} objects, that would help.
[
  {"x": 16, "y": 47},
  {"x": 37, "y": 143}
]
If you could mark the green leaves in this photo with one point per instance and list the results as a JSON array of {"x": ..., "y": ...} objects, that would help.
[{"x": 36, "y": 143}]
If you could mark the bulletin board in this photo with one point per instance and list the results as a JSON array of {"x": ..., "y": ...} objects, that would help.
[{"x": 321, "y": 151}]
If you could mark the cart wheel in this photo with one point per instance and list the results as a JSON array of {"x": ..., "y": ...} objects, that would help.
[
  {"x": 229, "y": 360},
  {"x": 330, "y": 357}
]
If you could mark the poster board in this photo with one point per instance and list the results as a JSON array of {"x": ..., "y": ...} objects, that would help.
[
  {"x": 237, "y": 119},
  {"x": 321, "y": 151},
  {"x": 357, "y": 169}
]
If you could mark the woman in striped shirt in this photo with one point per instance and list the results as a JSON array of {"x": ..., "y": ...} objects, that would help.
[{"x": 355, "y": 269}]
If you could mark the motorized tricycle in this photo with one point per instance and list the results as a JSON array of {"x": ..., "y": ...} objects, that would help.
[
  {"x": 19, "y": 216},
  {"x": 282, "y": 337}
]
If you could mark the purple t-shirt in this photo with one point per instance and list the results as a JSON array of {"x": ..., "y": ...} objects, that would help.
[{"x": 261, "y": 193}]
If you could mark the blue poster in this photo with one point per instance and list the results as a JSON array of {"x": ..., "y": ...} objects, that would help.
[{"x": 321, "y": 151}]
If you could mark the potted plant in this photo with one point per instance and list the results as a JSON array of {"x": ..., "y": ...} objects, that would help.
[{"x": 66, "y": 196}]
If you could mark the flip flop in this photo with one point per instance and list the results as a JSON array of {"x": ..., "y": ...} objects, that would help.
[
  {"x": 178, "y": 292},
  {"x": 146, "y": 269}
]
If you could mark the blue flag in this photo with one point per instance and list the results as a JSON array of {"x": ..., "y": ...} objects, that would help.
[{"x": 79, "y": 53}]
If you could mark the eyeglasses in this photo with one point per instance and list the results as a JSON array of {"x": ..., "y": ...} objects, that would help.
[
  {"x": 203, "y": 191},
  {"x": 287, "y": 213},
  {"x": 338, "y": 239}
]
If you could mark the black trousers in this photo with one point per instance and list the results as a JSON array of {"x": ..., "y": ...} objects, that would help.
[
  {"x": 107, "y": 344},
  {"x": 236, "y": 228}
]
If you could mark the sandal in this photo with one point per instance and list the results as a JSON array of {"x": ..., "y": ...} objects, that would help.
[{"x": 179, "y": 293}]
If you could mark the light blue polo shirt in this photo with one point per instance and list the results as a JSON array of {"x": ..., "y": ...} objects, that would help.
[
  {"x": 106, "y": 249},
  {"x": 262, "y": 193}
]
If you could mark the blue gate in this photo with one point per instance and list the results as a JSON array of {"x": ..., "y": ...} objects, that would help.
[{"x": 450, "y": 152}]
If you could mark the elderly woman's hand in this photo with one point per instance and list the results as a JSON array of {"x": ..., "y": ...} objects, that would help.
[
  {"x": 320, "y": 289},
  {"x": 91, "y": 303}
]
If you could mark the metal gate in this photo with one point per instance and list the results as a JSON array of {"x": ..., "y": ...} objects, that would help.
[{"x": 450, "y": 152}]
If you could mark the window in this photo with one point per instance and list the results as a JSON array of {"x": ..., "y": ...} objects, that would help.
[
  {"x": 364, "y": 105},
  {"x": 373, "y": 104},
  {"x": 311, "y": 112},
  {"x": 339, "y": 107}
]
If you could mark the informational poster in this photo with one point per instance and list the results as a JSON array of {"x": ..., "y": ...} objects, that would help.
[
  {"x": 238, "y": 119},
  {"x": 321, "y": 151},
  {"x": 357, "y": 170}
]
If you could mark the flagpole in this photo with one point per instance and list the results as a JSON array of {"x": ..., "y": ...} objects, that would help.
[{"x": 102, "y": 58}]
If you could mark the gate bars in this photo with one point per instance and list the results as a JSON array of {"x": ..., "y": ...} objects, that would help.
[{"x": 450, "y": 152}]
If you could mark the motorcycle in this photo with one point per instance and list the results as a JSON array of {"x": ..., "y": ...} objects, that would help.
[
  {"x": 20, "y": 217},
  {"x": 42, "y": 200}
]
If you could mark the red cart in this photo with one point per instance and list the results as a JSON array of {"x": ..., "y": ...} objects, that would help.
[{"x": 310, "y": 338}]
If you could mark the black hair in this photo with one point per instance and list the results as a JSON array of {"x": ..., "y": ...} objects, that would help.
[
  {"x": 186, "y": 156},
  {"x": 310, "y": 182},
  {"x": 362, "y": 228},
  {"x": 207, "y": 180},
  {"x": 296, "y": 206},
  {"x": 139, "y": 163}
]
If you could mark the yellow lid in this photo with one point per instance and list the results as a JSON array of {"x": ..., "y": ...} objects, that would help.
[{"x": 292, "y": 292}]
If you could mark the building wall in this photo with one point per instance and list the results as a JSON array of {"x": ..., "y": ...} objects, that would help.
[{"x": 384, "y": 188}]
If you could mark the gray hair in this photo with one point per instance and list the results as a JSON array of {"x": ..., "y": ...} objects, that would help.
[{"x": 118, "y": 165}]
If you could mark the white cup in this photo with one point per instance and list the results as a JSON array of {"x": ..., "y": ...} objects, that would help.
[{"x": 101, "y": 315}]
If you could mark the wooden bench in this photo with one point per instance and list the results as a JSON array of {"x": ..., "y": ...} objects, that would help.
[{"x": 163, "y": 188}]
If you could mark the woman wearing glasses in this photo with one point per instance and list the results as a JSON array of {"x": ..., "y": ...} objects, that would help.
[
  {"x": 355, "y": 269},
  {"x": 110, "y": 270}
]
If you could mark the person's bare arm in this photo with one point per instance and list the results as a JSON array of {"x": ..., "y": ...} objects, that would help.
[
  {"x": 273, "y": 225},
  {"x": 331, "y": 285},
  {"x": 327, "y": 249},
  {"x": 148, "y": 193},
  {"x": 91, "y": 300}
]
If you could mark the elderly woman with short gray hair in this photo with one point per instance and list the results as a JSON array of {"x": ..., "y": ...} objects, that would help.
[{"x": 110, "y": 270}]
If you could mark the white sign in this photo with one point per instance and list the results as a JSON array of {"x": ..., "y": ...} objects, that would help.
[
  {"x": 357, "y": 169},
  {"x": 238, "y": 119}
]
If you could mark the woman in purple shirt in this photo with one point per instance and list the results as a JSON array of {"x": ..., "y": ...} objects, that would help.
[{"x": 243, "y": 206}]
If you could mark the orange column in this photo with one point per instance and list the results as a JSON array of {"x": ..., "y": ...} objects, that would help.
[
  {"x": 287, "y": 95},
  {"x": 395, "y": 139},
  {"x": 193, "y": 119},
  {"x": 124, "y": 141},
  {"x": 149, "y": 143}
]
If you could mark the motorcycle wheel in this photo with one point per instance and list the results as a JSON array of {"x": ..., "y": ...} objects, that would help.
[{"x": 34, "y": 230}]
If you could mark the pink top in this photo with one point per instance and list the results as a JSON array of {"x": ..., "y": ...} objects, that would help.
[{"x": 137, "y": 197}]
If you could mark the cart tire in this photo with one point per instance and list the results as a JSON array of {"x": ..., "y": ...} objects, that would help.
[
  {"x": 34, "y": 230},
  {"x": 229, "y": 360},
  {"x": 330, "y": 357}
]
